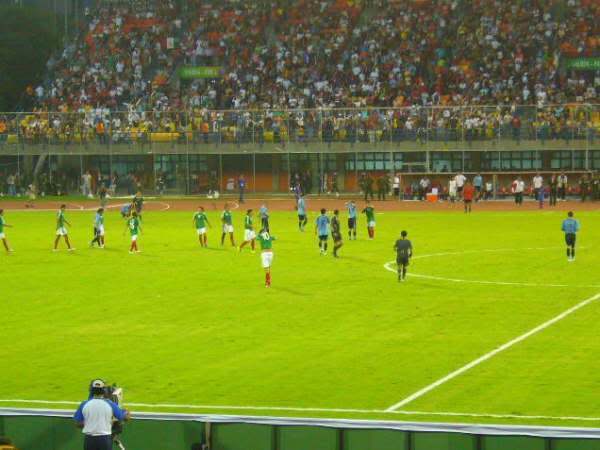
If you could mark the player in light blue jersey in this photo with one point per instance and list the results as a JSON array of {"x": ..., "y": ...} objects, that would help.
[
  {"x": 351, "y": 219},
  {"x": 322, "y": 230},
  {"x": 302, "y": 219},
  {"x": 264, "y": 217},
  {"x": 570, "y": 226},
  {"x": 98, "y": 229}
]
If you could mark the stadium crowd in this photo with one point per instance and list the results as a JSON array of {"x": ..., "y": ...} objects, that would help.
[{"x": 441, "y": 67}]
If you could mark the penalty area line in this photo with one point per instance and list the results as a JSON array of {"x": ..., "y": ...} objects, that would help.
[
  {"x": 491, "y": 354},
  {"x": 325, "y": 410}
]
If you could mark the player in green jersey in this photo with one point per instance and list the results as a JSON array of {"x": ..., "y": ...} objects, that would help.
[
  {"x": 227, "y": 221},
  {"x": 2, "y": 235},
  {"x": 370, "y": 212},
  {"x": 135, "y": 228},
  {"x": 200, "y": 221},
  {"x": 266, "y": 245},
  {"x": 61, "y": 229},
  {"x": 249, "y": 234}
]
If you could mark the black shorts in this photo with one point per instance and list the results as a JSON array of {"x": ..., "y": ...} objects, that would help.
[
  {"x": 336, "y": 237},
  {"x": 467, "y": 200},
  {"x": 478, "y": 189},
  {"x": 570, "y": 239},
  {"x": 402, "y": 261},
  {"x": 323, "y": 237},
  {"x": 352, "y": 222},
  {"x": 302, "y": 216},
  {"x": 459, "y": 188}
]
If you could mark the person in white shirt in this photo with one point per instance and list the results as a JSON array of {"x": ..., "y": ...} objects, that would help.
[
  {"x": 489, "y": 188},
  {"x": 452, "y": 190},
  {"x": 538, "y": 183},
  {"x": 396, "y": 186},
  {"x": 460, "y": 183},
  {"x": 518, "y": 188}
]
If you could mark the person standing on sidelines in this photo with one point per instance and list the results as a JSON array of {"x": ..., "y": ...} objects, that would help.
[
  {"x": 538, "y": 184},
  {"x": 98, "y": 229},
  {"x": 452, "y": 190},
  {"x": 553, "y": 190},
  {"x": 96, "y": 415},
  {"x": 266, "y": 245},
  {"x": 336, "y": 233},
  {"x": 396, "y": 186},
  {"x": 351, "y": 219},
  {"x": 518, "y": 188},
  {"x": 322, "y": 231},
  {"x": 135, "y": 228},
  {"x": 2, "y": 235},
  {"x": 478, "y": 185},
  {"x": 264, "y": 217},
  {"x": 570, "y": 226},
  {"x": 562, "y": 184},
  {"x": 249, "y": 234},
  {"x": 302, "y": 219},
  {"x": 468, "y": 194},
  {"x": 242, "y": 187},
  {"x": 370, "y": 212},
  {"x": 60, "y": 228},
  {"x": 460, "y": 183},
  {"x": 200, "y": 222},
  {"x": 227, "y": 221},
  {"x": 403, "y": 249}
]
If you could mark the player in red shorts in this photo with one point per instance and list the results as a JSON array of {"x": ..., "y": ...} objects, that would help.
[{"x": 468, "y": 193}]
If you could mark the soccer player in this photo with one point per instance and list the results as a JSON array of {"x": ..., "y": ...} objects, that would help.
[
  {"x": 468, "y": 194},
  {"x": 98, "y": 229},
  {"x": 138, "y": 203},
  {"x": 266, "y": 245},
  {"x": 249, "y": 234},
  {"x": 2, "y": 235},
  {"x": 570, "y": 226},
  {"x": 370, "y": 212},
  {"x": 200, "y": 221},
  {"x": 135, "y": 228},
  {"x": 227, "y": 221},
  {"x": 336, "y": 233},
  {"x": 403, "y": 249},
  {"x": 302, "y": 219},
  {"x": 60, "y": 228},
  {"x": 322, "y": 228},
  {"x": 264, "y": 217},
  {"x": 351, "y": 219}
]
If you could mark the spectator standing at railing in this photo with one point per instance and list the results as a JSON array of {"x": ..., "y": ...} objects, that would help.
[
  {"x": 562, "y": 186},
  {"x": 538, "y": 184}
]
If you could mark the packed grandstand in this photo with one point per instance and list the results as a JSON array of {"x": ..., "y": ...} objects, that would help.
[{"x": 337, "y": 69}]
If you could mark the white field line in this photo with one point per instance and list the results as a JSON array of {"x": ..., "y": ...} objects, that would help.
[
  {"x": 326, "y": 410},
  {"x": 494, "y": 352}
]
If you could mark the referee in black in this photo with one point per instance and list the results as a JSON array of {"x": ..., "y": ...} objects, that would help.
[{"x": 403, "y": 248}]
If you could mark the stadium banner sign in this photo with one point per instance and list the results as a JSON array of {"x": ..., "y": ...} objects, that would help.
[
  {"x": 200, "y": 72},
  {"x": 584, "y": 63}
]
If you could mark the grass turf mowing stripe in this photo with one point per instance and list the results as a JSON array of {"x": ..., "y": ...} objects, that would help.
[{"x": 494, "y": 352}]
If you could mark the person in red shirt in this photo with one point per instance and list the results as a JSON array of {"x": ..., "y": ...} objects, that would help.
[{"x": 468, "y": 193}]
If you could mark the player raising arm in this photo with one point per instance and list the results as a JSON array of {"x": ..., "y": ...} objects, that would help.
[
  {"x": 60, "y": 228},
  {"x": 322, "y": 228},
  {"x": 249, "y": 234},
  {"x": 200, "y": 221},
  {"x": 266, "y": 245},
  {"x": 570, "y": 226},
  {"x": 370, "y": 212},
  {"x": 403, "y": 249},
  {"x": 2, "y": 235},
  {"x": 135, "y": 228}
]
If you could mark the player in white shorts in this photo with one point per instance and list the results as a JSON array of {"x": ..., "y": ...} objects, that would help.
[
  {"x": 2, "y": 235},
  {"x": 60, "y": 228},
  {"x": 249, "y": 234},
  {"x": 227, "y": 221},
  {"x": 98, "y": 229},
  {"x": 200, "y": 222},
  {"x": 266, "y": 244}
]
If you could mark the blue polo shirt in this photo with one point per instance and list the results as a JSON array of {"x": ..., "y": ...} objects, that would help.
[
  {"x": 570, "y": 226},
  {"x": 323, "y": 225},
  {"x": 96, "y": 415}
]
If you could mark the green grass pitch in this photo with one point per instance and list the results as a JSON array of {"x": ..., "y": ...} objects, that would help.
[{"x": 178, "y": 324}]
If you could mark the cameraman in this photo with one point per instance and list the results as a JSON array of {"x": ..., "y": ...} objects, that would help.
[{"x": 95, "y": 416}]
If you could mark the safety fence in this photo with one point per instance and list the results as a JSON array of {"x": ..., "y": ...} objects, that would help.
[{"x": 54, "y": 430}]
